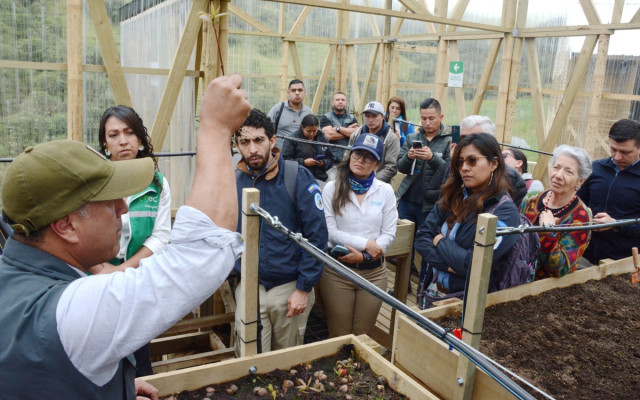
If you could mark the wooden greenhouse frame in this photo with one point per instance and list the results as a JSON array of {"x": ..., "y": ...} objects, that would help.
[{"x": 510, "y": 37}]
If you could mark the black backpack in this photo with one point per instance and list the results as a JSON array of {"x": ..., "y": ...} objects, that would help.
[{"x": 519, "y": 265}]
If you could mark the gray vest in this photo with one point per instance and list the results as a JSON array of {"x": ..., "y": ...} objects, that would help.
[{"x": 33, "y": 362}]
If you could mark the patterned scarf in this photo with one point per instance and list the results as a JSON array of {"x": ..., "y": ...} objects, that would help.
[{"x": 360, "y": 186}]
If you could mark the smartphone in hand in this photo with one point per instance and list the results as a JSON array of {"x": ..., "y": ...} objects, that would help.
[
  {"x": 455, "y": 133},
  {"x": 416, "y": 144},
  {"x": 319, "y": 157},
  {"x": 339, "y": 251}
]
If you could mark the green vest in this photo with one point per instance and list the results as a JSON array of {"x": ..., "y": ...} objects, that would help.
[{"x": 143, "y": 210}]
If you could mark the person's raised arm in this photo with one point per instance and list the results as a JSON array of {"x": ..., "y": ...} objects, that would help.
[{"x": 224, "y": 109}]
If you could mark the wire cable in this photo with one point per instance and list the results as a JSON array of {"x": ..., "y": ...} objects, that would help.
[
  {"x": 313, "y": 142},
  {"x": 510, "y": 230}
]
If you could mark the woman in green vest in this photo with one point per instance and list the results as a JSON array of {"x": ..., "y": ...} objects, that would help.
[{"x": 147, "y": 225}]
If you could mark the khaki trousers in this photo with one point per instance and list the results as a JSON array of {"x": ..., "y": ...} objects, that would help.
[
  {"x": 278, "y": 330},
  {"x": 351, "y": 309}
]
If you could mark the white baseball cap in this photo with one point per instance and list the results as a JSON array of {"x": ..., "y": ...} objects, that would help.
[{"x": 373, "y": 107}]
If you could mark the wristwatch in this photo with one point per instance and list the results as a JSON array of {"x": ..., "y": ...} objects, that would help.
[{"x": 338, "y": 129}]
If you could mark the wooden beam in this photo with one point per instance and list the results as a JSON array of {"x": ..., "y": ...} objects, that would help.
[
  {"x": 415, "y": 7},
  {"x": 536, "y": 90},
  {"x": 476, "y": 299},
  {"x": 355, "y": 87},
  {"x": 369, "y": 77},
  {"x": 200, "y": 323},
  {"x": 597, "y": 87},
  {"x": 514, "y": 75},
  {"x": 393, "y": 13},
  {"x": 109, "y": 51},
  {"x": 458, "y": 12},
  {"x": 284, "y": 70},
  {"x": 341, "y": 64},
  {"x": 223, "y": 34},
  {"x": 395, "y": 31},
  {"x": 295, "y": 60},
  {"x": 248, "y": 302},
  {"x": 74, "y": 70},
  {"x": 375, "y": 30},
  {"x": 616, "y": 15},
  {"x": 243, "y": 15},
  {"x": 560, "y": 119},
  {"x": 590, "y": 11},
  {"x": 300, "y": 21},
  {"x": 442, "y": 69},
  {"x": 395, "y": 66},
  {"x": 177, "y": 74},
  {"x": 203, "y": 358},
  {"x": 508, "y": 20},
  {"x": 487, "y": 70},
  {"x": 324, "y": 75},
  {"x": 636, "y": 17}
]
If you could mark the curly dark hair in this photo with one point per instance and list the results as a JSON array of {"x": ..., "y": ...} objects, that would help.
[
  {"x": 257, "y": 119},
  {"x": 133, "y": 120}
]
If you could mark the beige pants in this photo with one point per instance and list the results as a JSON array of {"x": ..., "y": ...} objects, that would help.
[
  {"x": 351, "y": 309},
  {"x": 278, "y": 330}
]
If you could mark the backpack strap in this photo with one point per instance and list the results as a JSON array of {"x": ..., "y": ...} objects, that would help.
[
  {"x": 505, "y": 197},
  {"x": 290, "y": 178},
  {"x": 278, "y": 115}
]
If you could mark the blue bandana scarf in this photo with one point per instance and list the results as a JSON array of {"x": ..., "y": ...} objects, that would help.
[{"x": 360, "y": 186}]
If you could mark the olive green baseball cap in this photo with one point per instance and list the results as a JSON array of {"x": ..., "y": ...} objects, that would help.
[{"x": 50, "y": 180}]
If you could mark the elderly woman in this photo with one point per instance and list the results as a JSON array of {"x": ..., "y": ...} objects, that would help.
[
  {"x": 147, "y": 225},
  {"x": 396, "y": 109},
  {"x": 315, "y": 157},
  {"x": 477, "y": 182},
  {"x": 560, "y": 251},
  {"x": 361, "y": 215}
]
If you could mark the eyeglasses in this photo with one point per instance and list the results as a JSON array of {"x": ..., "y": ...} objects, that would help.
[
  {"x": 470, "y": 161},
  {"x": 506, "y": 154},
  {"x": 368, "y": 157}
]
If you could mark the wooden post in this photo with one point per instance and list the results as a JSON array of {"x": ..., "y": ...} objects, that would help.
[
  {"x": 514, "y": 75},
  {"x": 109, "y": 52},
  {"x": 598, "y": 86},
  {"x": 223, "y": 31},
  {"x": 508, "y": 21},
  {"x": 74, "y": 70},
  {"x": 248, "y": 327},
  {"x": 476, "y": 299}
]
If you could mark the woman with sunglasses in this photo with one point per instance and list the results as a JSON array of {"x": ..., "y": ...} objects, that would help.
[
  {"x": 361, "y": 215},
  {"x": 560, "y": 205},
  {"x": 477, "y": 182}
]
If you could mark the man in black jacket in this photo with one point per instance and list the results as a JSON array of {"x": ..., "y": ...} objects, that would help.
[{"x": 474, "y": 124}]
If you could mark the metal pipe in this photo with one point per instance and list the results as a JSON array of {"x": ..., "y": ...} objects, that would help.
[
  {"x": 501, "y": 144},
  {"x": 564, "y": 228},
  {"x": 313, "y": 142},
  {"x": 472, "y": 354}
]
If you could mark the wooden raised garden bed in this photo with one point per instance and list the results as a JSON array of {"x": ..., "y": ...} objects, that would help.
[
  {"x": 436, "y": 367},
  {"x": 193, "y": 378}
]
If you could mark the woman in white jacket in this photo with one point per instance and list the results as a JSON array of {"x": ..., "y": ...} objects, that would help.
[{"x": 361, "y": 216}]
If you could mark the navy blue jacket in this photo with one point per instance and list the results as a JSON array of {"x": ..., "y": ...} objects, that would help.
[
  {"x": 458, "y": 253},
  {"x": 617, "y": 194},
  {"x": 281, "y": 260}
]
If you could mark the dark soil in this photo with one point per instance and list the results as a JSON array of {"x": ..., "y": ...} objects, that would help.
[
  {"x": 363, "y": 383},
  {"x": 580, "y": 342}
]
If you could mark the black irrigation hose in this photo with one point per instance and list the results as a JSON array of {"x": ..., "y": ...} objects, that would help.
[
  {"x": 564, "y": 228},
  {"x": 501, "y": 144},
  {"x": 313, "y": 142},
  {"x": 472, "y": 354}
]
